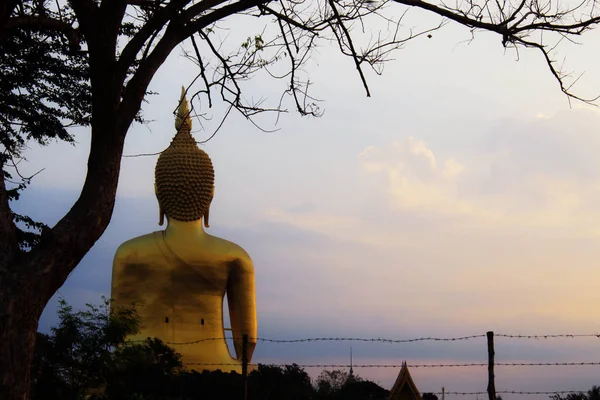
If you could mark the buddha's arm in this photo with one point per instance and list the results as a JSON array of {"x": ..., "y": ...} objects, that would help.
[
  {"x": 125, "y": 281},
  {"x": 117, "y": 279},
  {"x": 241, "y": 298}
]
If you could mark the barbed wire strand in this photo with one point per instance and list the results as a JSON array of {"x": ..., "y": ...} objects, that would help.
[
  {"x": 385, "y": 340},
  {"x": 509, "y": 392},
  {"x": 328, "y": 339},
  {"x": 455, "y": 365},
  {"x": 554, "y": 336}
]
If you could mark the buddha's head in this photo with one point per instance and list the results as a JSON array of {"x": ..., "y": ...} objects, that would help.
[{"x": 184, "y": 176}]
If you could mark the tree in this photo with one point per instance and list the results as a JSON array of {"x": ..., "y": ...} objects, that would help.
[
  {"x": 570, "y": 396},
  {"x": 150, "y": 370},
  {"x": 274, "y": 382},
  {"x": 337, "y": 384},
  {"x": 212, "y": 385},
  {"x": 429, "y": 396},
  {"x": 86, "y": 355},
  {"x": 594, "y": 393},
  {"x": 363, "y": 390},
  {"x": 122, "y": 43},
  {"x": 79, "y": 355},
  {"x": 329, "y": 383},
  {"x": 41, "y": 93}
]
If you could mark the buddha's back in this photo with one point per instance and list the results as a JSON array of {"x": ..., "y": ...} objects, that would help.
[
  {"x": 177, "y": 278},
  {"x": 178, "y": 283}
]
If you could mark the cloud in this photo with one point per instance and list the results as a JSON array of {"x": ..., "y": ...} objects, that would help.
[
  {"x": 302, "y": 208},
  {"x": 542, "y": 173},
  {"x": 412, "y": 176}
]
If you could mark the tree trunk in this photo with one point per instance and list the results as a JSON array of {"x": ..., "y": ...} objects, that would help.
[
  {"x": 19, "y": 316},
  {"x": 28, "y": 280}
]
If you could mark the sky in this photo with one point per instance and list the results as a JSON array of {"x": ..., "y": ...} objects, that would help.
[{"x": 462, "y": 197}]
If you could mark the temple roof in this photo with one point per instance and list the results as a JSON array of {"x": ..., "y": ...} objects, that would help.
[{"x": 404, "y": 388}]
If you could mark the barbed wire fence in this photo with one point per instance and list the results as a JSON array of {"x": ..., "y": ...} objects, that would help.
[{"x": 491, "y": 391}]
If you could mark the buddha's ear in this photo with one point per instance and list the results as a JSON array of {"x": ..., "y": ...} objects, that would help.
[
  {"x": 161, "y": 214},
  {"x": 206, "y": 224},
  {"x": 206, "y": 214}
]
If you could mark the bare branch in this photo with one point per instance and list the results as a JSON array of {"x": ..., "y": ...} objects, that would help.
[
  {"x": 219, "y": 126},
  {"x": 220, "y": 13},
  {"x": 157, "y": 22},
  {"x": 350, "y": 46},
  {"x": 24, "y": 179},
  {"x": 292, "y": 69},
  {"x": 288, "y": 20},
  {"x": 535, "y": 16},
  {"x": 556, "y": 73},
  {"x": 202, "y": 71}
]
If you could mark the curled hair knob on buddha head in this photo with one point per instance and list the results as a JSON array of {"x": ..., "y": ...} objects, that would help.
[{"x": 184, "y": 176}]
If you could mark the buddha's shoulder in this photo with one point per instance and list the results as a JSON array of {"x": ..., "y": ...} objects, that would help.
[
  {"x": 144, "y": 245},
  {"x": 230, "y": 249}
]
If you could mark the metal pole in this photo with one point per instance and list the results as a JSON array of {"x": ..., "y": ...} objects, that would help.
[
  {"x": 245, "y": 365},
  {"x": 491, "y": 389}
]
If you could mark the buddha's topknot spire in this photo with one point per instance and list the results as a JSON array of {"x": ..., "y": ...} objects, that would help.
[{"x": 183, "y": 121}]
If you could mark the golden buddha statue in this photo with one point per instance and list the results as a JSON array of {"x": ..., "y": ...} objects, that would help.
[{"x": 178, "y": 277}]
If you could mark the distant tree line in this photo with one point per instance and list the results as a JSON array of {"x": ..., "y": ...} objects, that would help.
[
  {"x": 86, "y": 356},
  {"x": 592, "y": 394}
]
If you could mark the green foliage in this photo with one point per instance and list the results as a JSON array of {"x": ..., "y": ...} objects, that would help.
[
  {"x": 272, "y": 382},
  {"x": 212, "y": 385},
  {"x": 329, "y": 383},
  {"x": 362, "y": 390},
  {"x": 594, "y": 393},
  {"x": 144, "y": 371},
  {"x": 44, "y": 89},
  {"x": 87, "y": 356},
  {"x": 44, "y": 85},
  {"x": 257, "y": 42},
  {"x": 570, "y": 396},
  {"x": 338, "y": 385}
]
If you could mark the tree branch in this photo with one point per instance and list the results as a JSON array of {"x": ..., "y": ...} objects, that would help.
[
  {"x": 285, "y": 18},
  {"x": 220, "y": 13},
  {"x": 137, "y": 85},
  {"x": 515, "y": 13},
  {"x": 556, "y": 73},
  {"x": 198, "y": 8},
  {"x": 574, "y": 29},
  {"x": 528, "y": 18},
  {"x": 45, "y": 23},
  {"x": 156, "y": 22},
  {"x": 461, "y": 19},
  {"x": 350, "y": 45},
  {"x": 202, "y": 71},
  {"x": 7, "y": 7},
  {"x": 302, "y": 108},
  {"x": 86, "y": 12},
  {"x": 112, "y": 12}
]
